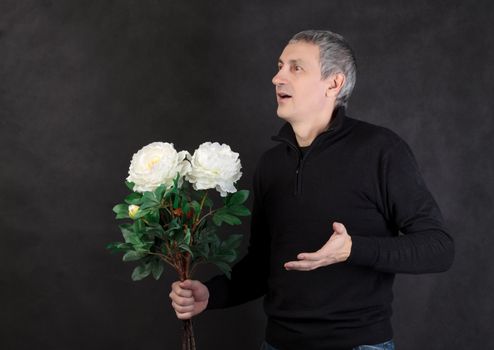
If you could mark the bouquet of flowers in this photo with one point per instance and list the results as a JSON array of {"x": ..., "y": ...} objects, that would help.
[{"x": 172, "y": 223}]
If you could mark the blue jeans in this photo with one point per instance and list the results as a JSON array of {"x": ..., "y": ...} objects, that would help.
[{"x": 387, "y": 345}]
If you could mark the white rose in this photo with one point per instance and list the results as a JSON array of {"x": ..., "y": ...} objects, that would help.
[
  {"x": 157, "y": 164},
  {"x": 214, "y": 166}
]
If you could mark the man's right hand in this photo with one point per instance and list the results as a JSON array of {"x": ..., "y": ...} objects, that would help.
[{"x": 189, "y": 298}]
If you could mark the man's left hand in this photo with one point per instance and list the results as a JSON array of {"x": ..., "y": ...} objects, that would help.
[{"x": 337, "y": 249}]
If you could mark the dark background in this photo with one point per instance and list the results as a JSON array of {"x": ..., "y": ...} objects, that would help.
[{"x": 85, "y": 84}]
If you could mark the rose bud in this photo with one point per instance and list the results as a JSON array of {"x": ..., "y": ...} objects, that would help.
[{"x": 133, "y": 210}]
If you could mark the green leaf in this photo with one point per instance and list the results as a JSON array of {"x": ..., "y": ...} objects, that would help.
[
  {"x": 224, "y": 267},
  {"x": 133, "y": 198},
  {"x": 238, "y": 210},
  {"x": 187, "y": 236},
  {"x": 217, "y": 219},
  {"x": 185, "y": 248},
  {"x": 208, "y": 202},
  {"x": 203, "y": 236},
  {"x": 178, "y": 235},
  {"x": 233, "y": 241},
  {"x": 157, "y": 231},
  {"x": 230, "y": 219},
  {"x": 118, "y": 247},
  {"x": 175, "y": 223},
  {"x": 153, "y": 216},
  {"x": 226, "y": 252},
  {"x": 196, "y": 206},
  {"x": 227, "y": 255},
  {"x": 237, "y": 198},
  {"x": 223, "y": 215},
  {"x": 176, "y": 201},
  {"x": 112, "y": 245},
  {"x": 185, "y": 207},
  {"x": 131, "y": 238},
  {"x": 122, "y": 210},
  {"x": 159, "y": 191},
  {"x": 141, "y": 272},
  {"x": 142, "y": 213},
  {"x": 122, "y": 216},
  {"x": 127, "y": 231},
  {"x": 201, "y": 249},
  {"x": 139, "y": 227},
  {"x": 214, "y": 242},
  {"x": 132, "y": 255},
  {"x": 130, "y": 185},
  {"x": 173, "y": 227},
  {"x": 204, "y": 229},
  {"x": 175, "y": 180},
  {"x": 149, "y": 200},
  {"x": 167, "y": 194},
  {"x": 157, "y": 267}
]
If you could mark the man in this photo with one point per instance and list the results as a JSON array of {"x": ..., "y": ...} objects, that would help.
[{"x": 336, "y": 177}]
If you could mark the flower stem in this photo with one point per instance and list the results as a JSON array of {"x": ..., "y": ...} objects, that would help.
[
  {"x": 211, "y": 212},
  {"x": 188, "y": 340},
  {"x": 200, "y": 208}
]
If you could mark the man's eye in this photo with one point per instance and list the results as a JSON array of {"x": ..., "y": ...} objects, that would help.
[{"x": 298, "y": 68}]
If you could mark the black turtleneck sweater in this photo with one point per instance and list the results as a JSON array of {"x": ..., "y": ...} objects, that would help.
[
  {"x": 303, "y": 150},
  {"x": 364, "y": 176}
]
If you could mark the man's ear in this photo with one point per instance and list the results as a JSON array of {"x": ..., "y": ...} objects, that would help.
[{"x": 336, "y": 82}]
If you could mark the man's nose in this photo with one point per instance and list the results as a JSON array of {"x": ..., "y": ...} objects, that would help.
[{"x": 279, "y": 78}]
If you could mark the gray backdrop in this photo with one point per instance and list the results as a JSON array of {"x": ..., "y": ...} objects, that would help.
[{"x": 85, "y": 84}]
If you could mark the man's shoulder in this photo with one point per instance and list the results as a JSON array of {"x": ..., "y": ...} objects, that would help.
[
  {"x": 270, "y": 155},
  {"x": 272, "y": 152},
  {"x": 375, "y": 135}
]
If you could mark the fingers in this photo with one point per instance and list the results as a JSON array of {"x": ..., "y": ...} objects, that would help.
[
  {"x": 188, "y": 284},
  {"x": 302, "y": 265},
  {"x": 311, "y": 256},
  {"x": 189, "y": 298},
  {"x": 327, "y": 255},
  {"x": 184, "y": 315},
  {"x": 181, "y": 300},
  {"x": 182, "y": 308},
  {"x": 179, "y": 289},
  {"x": 308, "y": 261}
]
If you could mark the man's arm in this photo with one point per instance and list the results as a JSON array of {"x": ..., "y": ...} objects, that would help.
[
  {"x": 249, "y": 275},
  {"x": 406, "y": 202}
]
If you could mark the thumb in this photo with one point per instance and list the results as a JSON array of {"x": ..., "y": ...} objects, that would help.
[
  {"x": 188, "y": 284},
  {"x": 339, "y": 227}
]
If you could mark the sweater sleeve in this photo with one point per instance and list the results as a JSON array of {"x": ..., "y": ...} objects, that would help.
[
  {"x": 249, "y": 275},
  {"x": 406, "y": 202}
]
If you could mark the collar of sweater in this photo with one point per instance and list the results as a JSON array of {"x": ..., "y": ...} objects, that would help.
[{"x": 287, "y": 135}]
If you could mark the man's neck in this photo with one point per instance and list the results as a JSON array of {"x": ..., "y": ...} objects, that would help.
[{"x": 306, "y": 131}]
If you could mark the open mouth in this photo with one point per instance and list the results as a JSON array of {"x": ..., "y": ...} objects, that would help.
[{"x": 283, "y": 96}]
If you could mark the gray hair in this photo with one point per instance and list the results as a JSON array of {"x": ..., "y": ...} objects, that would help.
[{"x": 335, "y": 55}]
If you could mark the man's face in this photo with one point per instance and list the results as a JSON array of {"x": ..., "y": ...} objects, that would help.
[{"x": 299, "y": 75}]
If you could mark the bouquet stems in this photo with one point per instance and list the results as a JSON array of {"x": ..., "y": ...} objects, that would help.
[{"x": 188, "y": 340}]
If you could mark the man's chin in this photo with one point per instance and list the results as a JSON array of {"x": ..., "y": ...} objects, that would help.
[{"x": 283, "y": 116}]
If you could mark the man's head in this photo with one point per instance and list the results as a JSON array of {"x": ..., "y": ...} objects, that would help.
[{"x": 317, "y": 69}]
